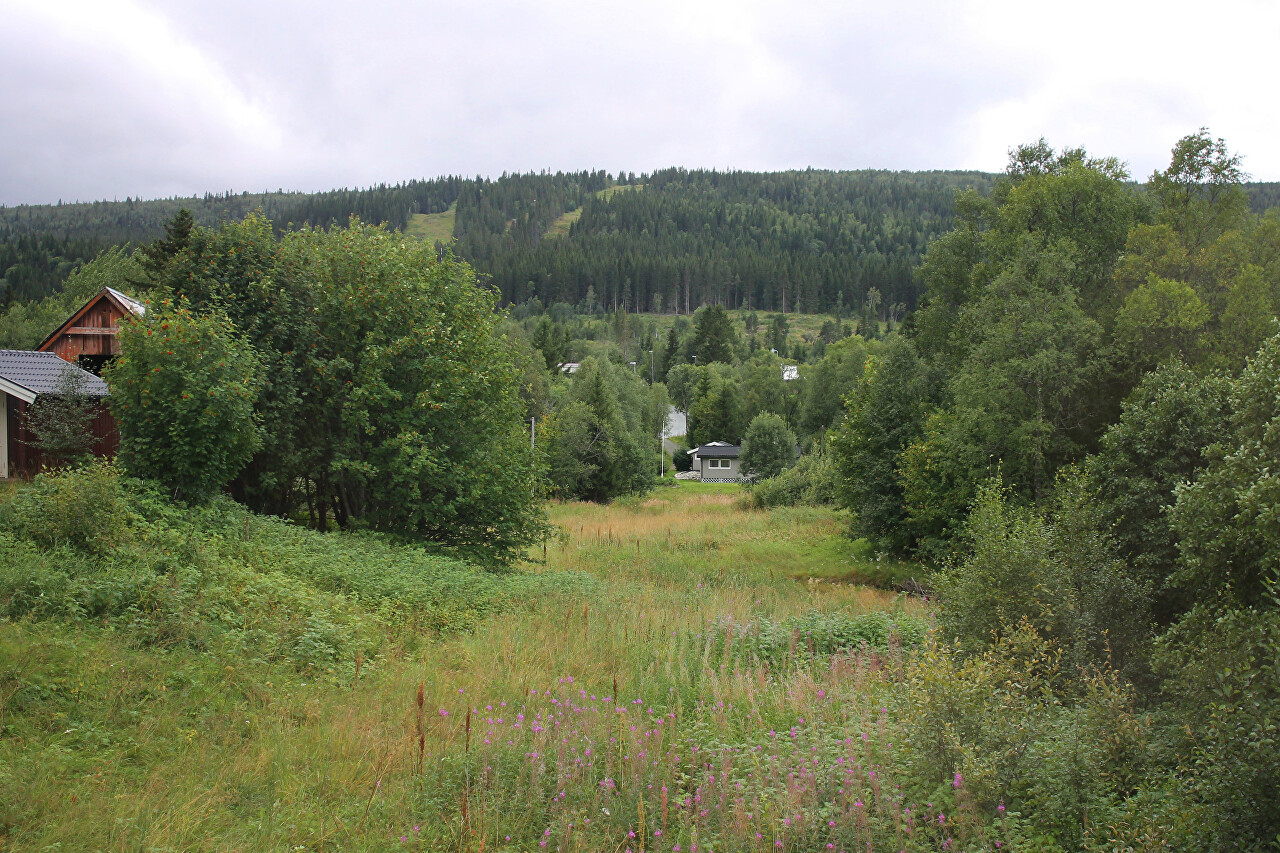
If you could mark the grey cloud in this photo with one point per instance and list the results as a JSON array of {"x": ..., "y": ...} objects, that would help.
[{"x": 354, "y": 94}]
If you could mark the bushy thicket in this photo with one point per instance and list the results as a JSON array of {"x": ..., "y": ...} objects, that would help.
[
  {"x": 602, "y": 433},
  {"x": 1190, "y": 631},
  {"x": 92, "y": 546},
  {"x": 1079, "y": 427},
  {"x": 810, "y": 482}
]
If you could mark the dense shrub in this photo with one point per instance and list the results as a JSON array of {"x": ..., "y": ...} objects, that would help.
[
  {"x": 812, "y": 481},
  {"x": 769, "y": 447},
  {"x": 1011, "y": 730},
  {"x": 87, "y": 508},
  {"x": 1165, "y": 426},
  {"x": 183, "y": 393},
  {"x": 1056, "y": 572}
]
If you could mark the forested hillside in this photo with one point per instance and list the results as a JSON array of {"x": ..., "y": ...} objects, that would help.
[
  {"x": 779, "y": 241},
  {"x": 800, "y": 241}
]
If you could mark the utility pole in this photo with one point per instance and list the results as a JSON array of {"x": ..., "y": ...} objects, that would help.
[{"x": 662, "y": 440}]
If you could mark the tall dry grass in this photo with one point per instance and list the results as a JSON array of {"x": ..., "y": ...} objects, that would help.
[{"x": 172, "y": 751}]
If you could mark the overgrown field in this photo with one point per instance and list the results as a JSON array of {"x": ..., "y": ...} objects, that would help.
[
  {"x": 675, "y": 673},
  {"x": 208, "y": 680}
]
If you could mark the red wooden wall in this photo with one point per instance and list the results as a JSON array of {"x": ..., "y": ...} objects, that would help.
[{"x": 27, "y": 461}]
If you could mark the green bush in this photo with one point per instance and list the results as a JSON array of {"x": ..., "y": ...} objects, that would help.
[
  {"x": 1056, "y": 572},
  {"x": 183, "y": 393},
  {"x": 769, "y": 447},
  {"x": 812, "y": 481},
  {"x": 1010, "y": 730},
  {"x": 86, "y": 508}
]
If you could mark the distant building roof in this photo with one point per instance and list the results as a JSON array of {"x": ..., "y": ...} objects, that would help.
[
  {"x": 26, "y": 375},
  {"x": 570, "y": 367},
  {"x": 717, "y": 450}
]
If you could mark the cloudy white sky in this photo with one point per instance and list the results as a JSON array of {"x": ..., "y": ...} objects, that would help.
[{"x": 115, "y": 98}]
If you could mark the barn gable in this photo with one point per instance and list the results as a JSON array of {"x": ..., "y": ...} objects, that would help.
[{"x": 88, "y": 337}]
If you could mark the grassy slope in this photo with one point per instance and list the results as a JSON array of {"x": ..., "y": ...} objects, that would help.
[
  {"x": 560, "y": 228},
  {"x": 437, "y": 227},
  {"x": 801, "y": 327},
  {"x": 110, "y": 745}
]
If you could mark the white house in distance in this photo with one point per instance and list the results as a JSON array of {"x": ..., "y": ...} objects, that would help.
[{"x": 717, "y": 462}]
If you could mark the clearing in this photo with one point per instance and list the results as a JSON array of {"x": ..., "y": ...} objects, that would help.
[{"x": 437, "y": 227}]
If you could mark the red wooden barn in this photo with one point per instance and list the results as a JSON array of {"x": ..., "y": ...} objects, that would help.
[
  {"x": 85, "y": 343},
  {"x": 88, "y": 337},
  {"x": 24, "y": 378}
]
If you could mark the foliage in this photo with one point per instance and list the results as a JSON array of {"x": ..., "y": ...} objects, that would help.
[
  {"x": 806, "y": 639},
  {"x": 34, "y": 266},
  {"x": 391, "y": 399},
  {"x": 1225, "y": 520},
  {"x": 90, "y": 544},
  {"x": 714, "y": 338},
  {"x": 1158, "y": 444},
  {"x": 1223, "y": 684},
  {"x": 1200, "y": 193},
  {"x": 812, "y": 481},
  {"x": 886, "y": 413},
  {"x": 86, "y": 509},
  {"x": 830, "y": 381},
  {"x": 717, "y": 412},
  {"x": 1161, "y": 320},
  {"x": 601, "y": 447},
  {"x": 996, "y": 733},
  {"x": 1021, "y": 394},
  {"x": 1055, "y": 573},
  {"x": 769, "y": 447},
  {"x": 183, "y": 394},
  {"x": 61, "y": 422}
]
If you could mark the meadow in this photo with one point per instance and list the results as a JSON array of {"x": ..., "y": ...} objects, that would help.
[{"x": 674, "y": 672}]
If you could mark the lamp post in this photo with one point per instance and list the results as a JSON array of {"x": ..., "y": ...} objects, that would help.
[
  {"x": 633, "y": 366},
  {"x": 650, "y": 367},
  {"x": 662, "y": 440}
]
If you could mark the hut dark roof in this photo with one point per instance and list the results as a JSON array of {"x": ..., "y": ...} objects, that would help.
[
  {"x": 26, "y": 375},
  {"x": 717, "y": 450}
]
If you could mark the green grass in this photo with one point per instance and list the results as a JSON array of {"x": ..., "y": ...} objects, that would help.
[
  {"x": 435, "y": 227},
  {"x": 283, "y": 714},
  {"x": 609, "y": 192},
  {"x": 560, "y": 228}
]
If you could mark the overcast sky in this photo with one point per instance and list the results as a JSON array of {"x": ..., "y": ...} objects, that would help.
[{"x": 116, "y": 98}]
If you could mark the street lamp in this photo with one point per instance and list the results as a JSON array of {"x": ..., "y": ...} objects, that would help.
[
  {"x": 633, "y": 366},
  {"x": 650, "y": 367}
]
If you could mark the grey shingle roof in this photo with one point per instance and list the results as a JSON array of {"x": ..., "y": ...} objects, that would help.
[
  {"x": 38, "y": 373},
  {"x": 713, "y": 451}
]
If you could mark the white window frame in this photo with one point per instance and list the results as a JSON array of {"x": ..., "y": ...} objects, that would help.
[{"x": 719, "y": 463}]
